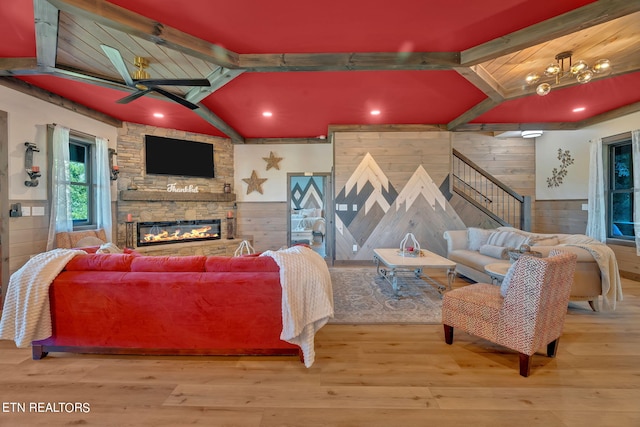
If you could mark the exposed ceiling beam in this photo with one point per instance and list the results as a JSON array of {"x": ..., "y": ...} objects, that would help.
[
  {"x": 46, "y": 28},
  {"x": 203, "y": 111},
  {"x": 11, "y": 66},
  {"x": 219, "y": 124},
  {"x": 505, "y": 127},
  {"x": 286, "y": 141},
  {"x": 126, "y": 21},
  {"x": 484, "y": 81},
  {"x": 349, "y": 61},
  {"x": 386, "y": 128},
  {"x": 587, "y": 16},
  {"x": 218, "y": 78},
  {"x": 610, "y": 115},
  {"x": 472, "y": 113},
  {"x": 44, "y": 95}
]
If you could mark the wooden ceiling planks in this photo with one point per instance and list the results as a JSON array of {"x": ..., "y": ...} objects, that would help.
[
  {"x": 79, "y": 48},
  {"x": 614, "y": 40}
]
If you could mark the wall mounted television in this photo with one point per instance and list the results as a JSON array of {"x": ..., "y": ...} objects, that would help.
[{"x": 168, "y": 156}]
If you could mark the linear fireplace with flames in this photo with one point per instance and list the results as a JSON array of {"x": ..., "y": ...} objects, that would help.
[{"x": 166, "y": 232}]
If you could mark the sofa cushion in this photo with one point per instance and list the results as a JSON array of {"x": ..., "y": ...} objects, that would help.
[
  {"x": 100, "y": 262},
  {"x": 245, "y": 263},
  {"x": 507, "y": 238},
  {"x": 477, "y": 237},
  {"x": 191, "y": 263},
  {"x": 472, "y": 259}
]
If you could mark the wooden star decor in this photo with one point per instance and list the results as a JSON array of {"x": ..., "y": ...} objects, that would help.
[
  {"x": 272, "y": 161},
  {"x": 255, "y": 183}
]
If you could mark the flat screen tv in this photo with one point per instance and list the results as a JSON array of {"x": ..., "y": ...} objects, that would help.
[{"x": 168, "y": 156}]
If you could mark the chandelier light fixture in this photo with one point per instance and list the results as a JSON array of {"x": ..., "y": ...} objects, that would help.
[{"x": 580, "y": 70}]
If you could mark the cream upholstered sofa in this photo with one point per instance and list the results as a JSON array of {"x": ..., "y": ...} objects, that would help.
[{"x": 474, "y": 248}]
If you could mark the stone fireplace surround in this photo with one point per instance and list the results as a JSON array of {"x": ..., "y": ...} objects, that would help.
[{"x": 146, "y": 197}]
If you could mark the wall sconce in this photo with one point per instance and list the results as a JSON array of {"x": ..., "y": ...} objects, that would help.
[
  {"x": 114, "y": 169},
  {"x": 32, "y": 171}
]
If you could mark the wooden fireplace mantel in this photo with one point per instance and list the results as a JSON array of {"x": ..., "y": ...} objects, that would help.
[{"x": 168, "y": 196}]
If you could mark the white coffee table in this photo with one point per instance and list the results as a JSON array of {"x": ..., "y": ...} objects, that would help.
[
  {"x": 394, "y": 262},
  {"x": 497, "y": 271}
]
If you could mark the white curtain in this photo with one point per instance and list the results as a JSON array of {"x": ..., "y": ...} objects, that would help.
[
  {"x": 635, "y": 150},
  {"x": 596, "y": 221},
  {"x": 60, "y": 215},
  {"x": 102, "y": 179}
]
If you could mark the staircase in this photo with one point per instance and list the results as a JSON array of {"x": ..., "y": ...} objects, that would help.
[{"x": 492, "y": 197}]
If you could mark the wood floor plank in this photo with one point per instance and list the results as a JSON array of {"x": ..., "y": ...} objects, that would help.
[{"x": 300, "y": 396}]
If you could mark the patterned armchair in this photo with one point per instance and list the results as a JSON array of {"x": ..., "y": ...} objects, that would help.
[{"x": 529, "y": 316}]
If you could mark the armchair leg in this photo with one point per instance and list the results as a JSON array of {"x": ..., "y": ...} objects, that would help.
[
  {"x": 448, "y": 334},
  {"x": 552, "y": 348},
  {"x": 525, "y": 365}
]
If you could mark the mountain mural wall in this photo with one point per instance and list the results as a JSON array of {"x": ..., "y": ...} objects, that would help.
[{"x": 373, "y": 212}]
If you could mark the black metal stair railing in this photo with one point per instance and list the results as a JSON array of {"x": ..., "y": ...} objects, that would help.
[{"x": 488, "y": 194}]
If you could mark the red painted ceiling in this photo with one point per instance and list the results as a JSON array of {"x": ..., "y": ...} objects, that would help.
[{"x": 305, "y": 104}]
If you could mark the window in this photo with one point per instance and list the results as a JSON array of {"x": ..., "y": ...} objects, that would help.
[
  {"x": 620, "y": 195},
  {"x": 81, "y": 164}
]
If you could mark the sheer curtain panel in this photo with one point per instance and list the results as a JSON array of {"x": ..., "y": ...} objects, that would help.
[
  {"x": 60, "y": 212},
  {"x": 596, "y": 221}
]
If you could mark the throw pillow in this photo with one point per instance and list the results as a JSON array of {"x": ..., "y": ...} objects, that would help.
[
  {"x": 477, "y": 237},
  {"x": 499, "y": 252},
  {"x": 504, "y": 286},
  {"x": 507, "y": 239},
  {"x": 89, "y": 241},
  {"x": 109, "y": 248}
]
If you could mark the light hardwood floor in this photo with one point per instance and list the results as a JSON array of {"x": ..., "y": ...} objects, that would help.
[{"x": 364, "y": 375}]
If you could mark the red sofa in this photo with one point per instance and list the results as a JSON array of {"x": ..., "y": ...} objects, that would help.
[{"x": 131, "y": 304}]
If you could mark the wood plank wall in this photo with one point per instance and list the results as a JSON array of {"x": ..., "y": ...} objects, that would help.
[
  {"x": 265, "y": 223},
  {"x": 561, "y": 216},
  {"x": 510, "y": 160}
]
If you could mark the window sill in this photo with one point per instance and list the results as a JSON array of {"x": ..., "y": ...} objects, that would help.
[{"x": 621, "y": 242}]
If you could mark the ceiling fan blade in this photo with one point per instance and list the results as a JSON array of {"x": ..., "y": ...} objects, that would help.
[
  {"x": 116, "y": 59},
  {"x": 175, "y": 98},
  {"x": 175, "y": 82},
  {"x": 135, "y": 95}
]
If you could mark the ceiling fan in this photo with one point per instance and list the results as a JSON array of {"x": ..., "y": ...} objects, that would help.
[{"x": 144, "y": 84}]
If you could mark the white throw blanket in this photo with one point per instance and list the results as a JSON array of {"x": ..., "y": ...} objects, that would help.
[
  {"x": 307, "y": 296},
  {"x": 26, "y": 315},
  {"x": 609, "y": 273}
]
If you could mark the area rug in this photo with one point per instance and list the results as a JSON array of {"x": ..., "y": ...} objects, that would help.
[{"x": 361, "y": 296}]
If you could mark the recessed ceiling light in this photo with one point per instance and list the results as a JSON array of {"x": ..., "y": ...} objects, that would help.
[
  {"x": 267, "y": 114},
  {"x": 158, "y": 115},
  {"x": 375, "y": 112},
  {"x": 578, "y": 109}
]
